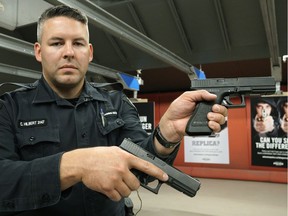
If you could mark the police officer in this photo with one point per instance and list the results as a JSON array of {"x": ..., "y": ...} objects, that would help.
[{"x": 59, "y": 135}]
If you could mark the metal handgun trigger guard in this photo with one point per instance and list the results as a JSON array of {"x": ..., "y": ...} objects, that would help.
[
  {"x": 154, "y": 190},
  {"x": 228, "y": 103}
]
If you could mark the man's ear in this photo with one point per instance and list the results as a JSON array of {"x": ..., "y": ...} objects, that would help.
[
  {"x": 37, "y": 51},
  {"x": 91, "y": 52}
]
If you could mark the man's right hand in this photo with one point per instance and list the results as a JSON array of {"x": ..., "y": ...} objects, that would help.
[{"x": 105, "y": 170}]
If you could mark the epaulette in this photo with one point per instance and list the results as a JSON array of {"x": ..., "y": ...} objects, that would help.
[
  {"x": 22, "y": 86},
  {"x": 108, "y": 86}
]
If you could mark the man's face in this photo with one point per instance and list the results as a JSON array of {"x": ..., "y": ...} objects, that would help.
[
  {"x": 263, "y": 109},
  {"x": 285, "y": 107},
  {"x": 64, "y": 52}
]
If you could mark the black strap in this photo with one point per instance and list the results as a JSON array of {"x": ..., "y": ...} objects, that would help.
[
  {"x": 108, "y": 86},
  {"x": 23, "y": 85}
]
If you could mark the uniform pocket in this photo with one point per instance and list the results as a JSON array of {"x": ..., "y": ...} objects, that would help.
[
  {"x": 38, "y": 142},
  {"x": 109, "y": 122}
]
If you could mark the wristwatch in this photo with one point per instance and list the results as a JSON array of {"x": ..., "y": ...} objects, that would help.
[{"x": 161, "y": 139}]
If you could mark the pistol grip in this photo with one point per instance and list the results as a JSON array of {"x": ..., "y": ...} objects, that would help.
[{"x": 198, "y": 122}]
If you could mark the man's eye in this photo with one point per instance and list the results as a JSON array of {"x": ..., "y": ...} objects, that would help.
[
  {"x": 78, "y": 44},
  {"x": 56, "y": 44}
]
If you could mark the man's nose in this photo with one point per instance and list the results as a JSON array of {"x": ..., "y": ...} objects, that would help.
[{"x": 68, "y": 51}]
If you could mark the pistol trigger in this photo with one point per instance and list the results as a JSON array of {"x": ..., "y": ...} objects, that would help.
[
  {"x": 226, "y": 101},
  {"x": 242, "y": 101}
]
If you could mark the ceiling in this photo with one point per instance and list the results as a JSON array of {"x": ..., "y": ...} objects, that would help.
[{"x": 225, "y": 38}]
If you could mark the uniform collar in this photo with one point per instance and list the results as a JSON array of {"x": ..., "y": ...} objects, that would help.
[
  {"x": 91, "y": 92},
  {"x": 45, "y": 94}
]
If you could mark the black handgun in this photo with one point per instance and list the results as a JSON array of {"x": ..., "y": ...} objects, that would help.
[
  {"x": 177, "y": 179},
  {"x": 224, "y": 89}
]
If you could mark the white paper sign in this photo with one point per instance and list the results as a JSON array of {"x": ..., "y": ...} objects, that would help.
[{"x": 205, "y": 149}]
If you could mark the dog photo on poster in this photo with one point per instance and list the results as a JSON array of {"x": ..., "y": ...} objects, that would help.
[{"x": 269, "y": 123}]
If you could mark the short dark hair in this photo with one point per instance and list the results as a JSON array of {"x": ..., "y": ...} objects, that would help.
[{"x": 60, "y": 10}]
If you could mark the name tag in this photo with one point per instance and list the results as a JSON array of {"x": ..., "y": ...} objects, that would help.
[{"x": 32, "y": 123}]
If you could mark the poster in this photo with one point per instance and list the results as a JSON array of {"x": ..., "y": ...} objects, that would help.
[
  {"x": 205, "y": 149},
  {"x": 146, "y": 115},
  {"x": 269, "y": 123}
]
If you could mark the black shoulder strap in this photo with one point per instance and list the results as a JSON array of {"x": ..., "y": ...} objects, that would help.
[
  {"x": 23, "y": 85},
  {"x": 108, "y": 86}
]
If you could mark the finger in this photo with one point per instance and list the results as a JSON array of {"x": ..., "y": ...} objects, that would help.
[
  {"x": 114, "y": 195},
  {"x": 123, "y": 189},
  {"x": 216, "y": 120},
  {"x": 204, "y": 95},
  {"x": 216, "y": 117},
  {"x": 149, "y": 168},
  {"x": 131, "y": 181},
  {"x": 220, "y": 109},
  {"x": 214, "y": 126}
]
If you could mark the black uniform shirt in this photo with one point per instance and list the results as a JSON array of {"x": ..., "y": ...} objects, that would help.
[{"x": 37, "y": 127}]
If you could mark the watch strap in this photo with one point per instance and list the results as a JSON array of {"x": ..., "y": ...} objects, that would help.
[{"x": 161, "y": 139}]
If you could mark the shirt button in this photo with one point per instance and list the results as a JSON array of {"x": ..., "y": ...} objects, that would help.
[
  {"x": 32, "y": 138},
  {"x": 119, "y": 122},
  {"x": 45, "y": 198},
  {"x": 83, "y": 135}
]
